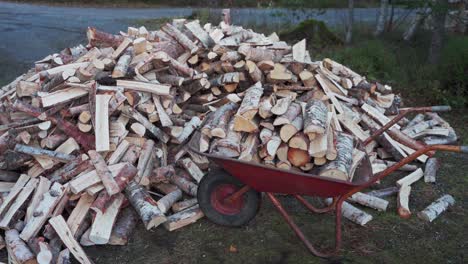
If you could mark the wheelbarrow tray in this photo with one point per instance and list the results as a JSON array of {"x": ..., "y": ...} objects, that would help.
[{"x": 273, "y": 180}]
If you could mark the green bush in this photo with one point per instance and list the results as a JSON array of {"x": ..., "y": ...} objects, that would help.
[
  {"x": 372, "y": 58},
  {"x": 453, "y": 69}
]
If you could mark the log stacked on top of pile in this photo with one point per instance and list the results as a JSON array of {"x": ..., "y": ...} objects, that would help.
[{"x": 94, "y": 138}]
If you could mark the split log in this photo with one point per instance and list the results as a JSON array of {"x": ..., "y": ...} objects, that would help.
[
  {"x": 186, "y": 186},
  {"x": 153, "y": 88},
  {"x": 62, "y": 230},
  {"x": 124, "y": 176},
  {"x": 369, "y": 201},
  {"x": 287, "y": 118},
  {"x": 43, "y": 211},
  {"x": 119, "y": 152},
  {"x": 165, "y": 203},
  {"x": 104, "y": 221},
  {"x": 430, "y": 171},
  {"x": 281, "y": 106},
  {"x": 411, "y": 178},
  {"x": 86, "y": 180},
  {"x": 62, "y": 96},
  {"x": 340, "y": 167},
  {"x": 181, "y": 38},
  {"x": 70, "y": 170},
  {"x": 180, "y": 206},
  {"x": 195, "y": 28},
  {"x": 258, "y": 54},
  {"x": 431, "y": 212},
  {"x": 230, "y": 145},
  {"x": 17, "y": 188},
  {"x": 315, "y": 117},
  {"x": 299, "y": 141},
  {"x": 79, "y": 213},
  {"x": 249, "y": 148},
  {"x": 99, "y": 38},
  {"x": 8, "y": 218},
  {"x": 42, "y": 187},
  {"x": 144, "y": 159},
  {"x": 248, "y": 109},
  {"x": 20, "y": 251},
  {"x": 192, "y": 169},
  {"x": 101, "y": 128},
  {"x": 403, "y": 201},
  {"x": 289, "y": 130},
  {"x": 159, "y": 134},
  {"x": 264, "y": 109},
  {"x": 104, "y": 173},
  {"x": 145, "y": 206},
  {"x": 183, "y": 218},
  {"x": 189, "y": 128},
  {"x": 123, "y": 227},
  {"x": 220, "y": 129}
]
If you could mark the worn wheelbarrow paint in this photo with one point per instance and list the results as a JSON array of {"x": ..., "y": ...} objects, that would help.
[{"x": 272, "y": 180}]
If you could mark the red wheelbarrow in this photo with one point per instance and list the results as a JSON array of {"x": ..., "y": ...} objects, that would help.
[{"x": 230, "y": 195}]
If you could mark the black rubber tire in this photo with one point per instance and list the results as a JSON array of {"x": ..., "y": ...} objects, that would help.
[{"x": 209, "y": 183}]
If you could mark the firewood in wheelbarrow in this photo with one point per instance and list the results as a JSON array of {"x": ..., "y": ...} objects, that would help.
[
  {"x": 244, "y": 118},
  {"x": 340, "y": 168}
]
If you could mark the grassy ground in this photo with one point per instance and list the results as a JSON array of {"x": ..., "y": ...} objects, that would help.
[{"x": 267, "y": 239}]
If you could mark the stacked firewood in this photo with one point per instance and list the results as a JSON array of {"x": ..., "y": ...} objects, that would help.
[{"x": 94, "y": 138}]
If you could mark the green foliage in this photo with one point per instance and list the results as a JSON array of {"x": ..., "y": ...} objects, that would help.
[
  {"x": 404, "y": 67},
  {"x": 315, "y": 32},
  {"x": 371, "y": 58},
  {"x": 453, "y": 69}
]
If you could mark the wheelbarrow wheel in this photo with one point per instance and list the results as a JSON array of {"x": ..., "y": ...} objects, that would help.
[{"x": 213, "y": 190}]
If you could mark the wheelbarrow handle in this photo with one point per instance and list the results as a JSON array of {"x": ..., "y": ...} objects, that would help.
[
  {"x": 404, "y": 161},
  {"x": 402, "y": 114},
  {"x": 464, "y": 149},
  {"x": 441, "y": 108}
]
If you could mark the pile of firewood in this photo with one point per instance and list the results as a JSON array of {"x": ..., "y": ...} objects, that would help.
[{"x": 95, "y": 138}]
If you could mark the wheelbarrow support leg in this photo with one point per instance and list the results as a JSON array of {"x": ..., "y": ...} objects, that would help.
[{"x": 301, "y": 235}]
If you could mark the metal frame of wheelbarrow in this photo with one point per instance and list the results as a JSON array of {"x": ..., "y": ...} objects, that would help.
[{"x": 297, "y": 185}]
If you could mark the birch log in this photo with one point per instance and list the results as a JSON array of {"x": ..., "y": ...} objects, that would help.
[
  {"x": 315, "y": 117},
  {"x": 436, "y": 208},
  {"x": 340, "y": 167},
  {"x": 123, "y": 227},
  {"x": 430, "y": 171},
  {"x": 248, "y": 109},
  {"x": 403, "y": 201},
  {"x": 353, "y": 214},
  {"x": 369, "y": 201},
  {"x": 145, "y": 206}
]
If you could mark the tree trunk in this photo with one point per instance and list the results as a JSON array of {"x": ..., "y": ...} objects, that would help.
[
  {"x": 439, "y": 14},
  {"x": 382, "y": 18},
  {"x": 350, "y": 22}
]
